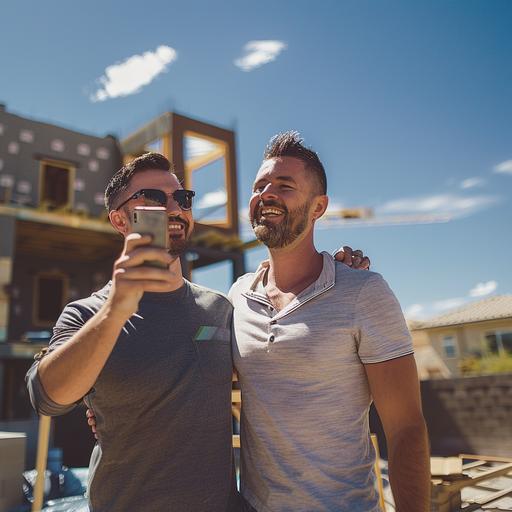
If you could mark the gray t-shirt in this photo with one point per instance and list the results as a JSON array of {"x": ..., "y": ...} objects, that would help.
[
  {"x": 305, "y": 396},
  {"x": 162, "y": 404}
]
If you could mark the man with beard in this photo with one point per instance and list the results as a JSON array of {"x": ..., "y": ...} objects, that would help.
[
  {"x": 150, "y": 355},
  {"x": 315, "y": 343}
]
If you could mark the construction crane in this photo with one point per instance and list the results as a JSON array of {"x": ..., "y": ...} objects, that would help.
[{"x": 365, "y": 216}]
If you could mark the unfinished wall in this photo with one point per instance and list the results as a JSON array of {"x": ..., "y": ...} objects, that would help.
[{"x": 465, "y": 415}]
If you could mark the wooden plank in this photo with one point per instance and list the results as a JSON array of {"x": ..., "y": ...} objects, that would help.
[
  {"x": 485, "y": 475},
  {"x": 445, "y": 466},
  {"x": 475, "y": 464},
  {"x": 378, "y": 474},
  {"x": 235, "y": 411},
  {"x": 476, "y": 503},
  {"x": 489, "y": 458},
  {"x": 41, "y": 459}
]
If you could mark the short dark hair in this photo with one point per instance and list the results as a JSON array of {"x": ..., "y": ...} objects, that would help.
[
  {"x": 121, "y": 179},
  {"x": 291, "y": 144}
]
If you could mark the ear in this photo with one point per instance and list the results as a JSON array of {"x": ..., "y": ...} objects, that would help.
[
  {"x": 119, "y": 222},
  {"x": 319, "y": 206}
]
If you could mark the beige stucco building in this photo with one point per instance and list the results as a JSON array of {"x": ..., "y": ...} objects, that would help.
[{"x": 477, "y": 329}]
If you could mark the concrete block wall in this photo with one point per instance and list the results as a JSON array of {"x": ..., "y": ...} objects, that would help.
[{"x": 465, "y": 415}]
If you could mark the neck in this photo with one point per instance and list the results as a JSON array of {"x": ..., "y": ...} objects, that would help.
[
  {"x": 177, "y": 275},
  {"x": 297, "y": 263}
]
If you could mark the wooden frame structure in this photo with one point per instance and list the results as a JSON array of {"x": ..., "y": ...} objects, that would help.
[{"x": 212, "y": 241}]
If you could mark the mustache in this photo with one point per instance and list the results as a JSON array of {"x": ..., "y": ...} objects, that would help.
[{"x": 268, "y": 204}]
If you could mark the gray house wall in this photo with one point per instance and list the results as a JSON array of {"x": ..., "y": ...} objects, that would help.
[
  {"x": 83, "y": 279},
  {"x": 24, "y": 143}
]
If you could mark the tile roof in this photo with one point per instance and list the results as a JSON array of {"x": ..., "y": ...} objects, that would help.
[{"x": 491, "y": 308}]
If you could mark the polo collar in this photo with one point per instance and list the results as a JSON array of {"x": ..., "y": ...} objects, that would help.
[{"x": 325, "y": 281}]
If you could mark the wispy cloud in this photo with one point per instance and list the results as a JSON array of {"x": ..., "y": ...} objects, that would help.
[
  {"x": 422, "y": 311},
  {"x": 445, "y": 304},
  {"x": 504, "y": 167},
  {"x": 455, "y": 205},
  {"x": 414, "y": 311},
  {"x": 211, "y": 199},
  {"x": 258, "y": 53},
  {"x": 132, "y": 74},
  {"x": 482, "y": 289},
  {"x": 472, "y": 183}
]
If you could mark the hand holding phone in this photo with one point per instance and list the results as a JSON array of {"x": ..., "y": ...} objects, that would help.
[{"x": 152, "y": 220}]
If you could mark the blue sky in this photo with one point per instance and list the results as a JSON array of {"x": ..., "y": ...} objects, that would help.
[{"x": 407, "y": 103}]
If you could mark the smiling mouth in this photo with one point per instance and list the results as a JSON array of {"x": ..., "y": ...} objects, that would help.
[
  {"x": 176, "y": 229},
  {"x": 268, "y": 213}
]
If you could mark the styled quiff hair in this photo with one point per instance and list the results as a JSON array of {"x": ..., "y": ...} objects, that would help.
[
  {"x": 291, "y": 144},
  {"x": 121, "y": 179}
]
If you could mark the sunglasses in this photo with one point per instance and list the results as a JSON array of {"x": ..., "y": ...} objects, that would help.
[{"x": 154, "y": 197}]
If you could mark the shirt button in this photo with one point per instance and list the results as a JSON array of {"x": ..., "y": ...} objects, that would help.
[{"x": 271, "y": 338}]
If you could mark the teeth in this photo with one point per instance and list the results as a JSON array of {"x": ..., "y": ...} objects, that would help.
[
  {"x": 266, "y": 211},
  {"x": 175, "y": 226}
]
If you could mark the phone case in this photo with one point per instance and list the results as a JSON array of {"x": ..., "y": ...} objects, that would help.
[{"x": 152, "y": 220}]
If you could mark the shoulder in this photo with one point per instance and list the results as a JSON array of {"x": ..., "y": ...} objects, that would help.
[
  {"x": 209, "y": 297},
  {"x": 83, "y": 309},
  {"x": 241, "y": 285},
  {"x": 356, "y": 280}
]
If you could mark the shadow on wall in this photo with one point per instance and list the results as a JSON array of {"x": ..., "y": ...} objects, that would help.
[{"x": 464, "y": 415}]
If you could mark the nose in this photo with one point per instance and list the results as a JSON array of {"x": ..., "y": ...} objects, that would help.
[
  {"x": 268, "y": 192},
  {"x": 172, "y": 206}
]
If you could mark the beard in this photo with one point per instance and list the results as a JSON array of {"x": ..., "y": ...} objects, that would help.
[
  {"x": 277, "y": 236},
  {"x": 178, "y": 245}
]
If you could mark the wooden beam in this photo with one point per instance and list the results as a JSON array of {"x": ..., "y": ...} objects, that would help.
[{"x": 41, "y": 459}]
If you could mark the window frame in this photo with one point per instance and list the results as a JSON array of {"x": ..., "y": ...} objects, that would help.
[
  {"x": 499, "y": 341},
  {"x": 454, "y": 345},
  {"x": 71, "y": 185}
]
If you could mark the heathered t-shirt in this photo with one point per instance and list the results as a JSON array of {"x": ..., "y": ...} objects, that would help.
[
  {"x": 162, "y": 404},
  {"x": 305, "y": 396}
]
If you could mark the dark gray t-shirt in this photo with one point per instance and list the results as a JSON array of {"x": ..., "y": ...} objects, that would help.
[{"x": 162, "y": 404}]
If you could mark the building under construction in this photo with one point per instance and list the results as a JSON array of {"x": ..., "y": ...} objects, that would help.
[{"x": 56, "y": 242}]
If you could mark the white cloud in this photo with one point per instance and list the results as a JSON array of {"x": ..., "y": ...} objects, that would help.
[
  {"x": 131, "y": 75},
  {"x": 472, "y": 183},
  {"x": 210, "y": 199},
  {"x": 258, "y": 53},
  {"x": 421, "y": 311},
  {"x": 443, "y": 305},
  {"x": 452, "y": 204},
  {"x": 414, "y": 311},
  {"x": 482, "y": 289},
  {"x": 504, "y": 167}
]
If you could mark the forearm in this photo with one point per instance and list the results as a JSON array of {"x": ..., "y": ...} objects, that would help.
[
  {"x": 409, "y": 469},
  {"x": 70, "y": 371}
]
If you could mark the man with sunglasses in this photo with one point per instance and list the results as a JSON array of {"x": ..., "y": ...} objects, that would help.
[{"x": 150, "y": 355}]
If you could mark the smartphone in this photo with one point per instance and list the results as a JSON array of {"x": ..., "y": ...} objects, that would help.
[{"x": 152, "y": 220}]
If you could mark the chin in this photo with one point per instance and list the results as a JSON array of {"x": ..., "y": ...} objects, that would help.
[{"x": 177, "y": 247}]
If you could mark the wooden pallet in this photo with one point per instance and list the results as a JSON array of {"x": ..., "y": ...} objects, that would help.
[{"x": 469, "y": 482}]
